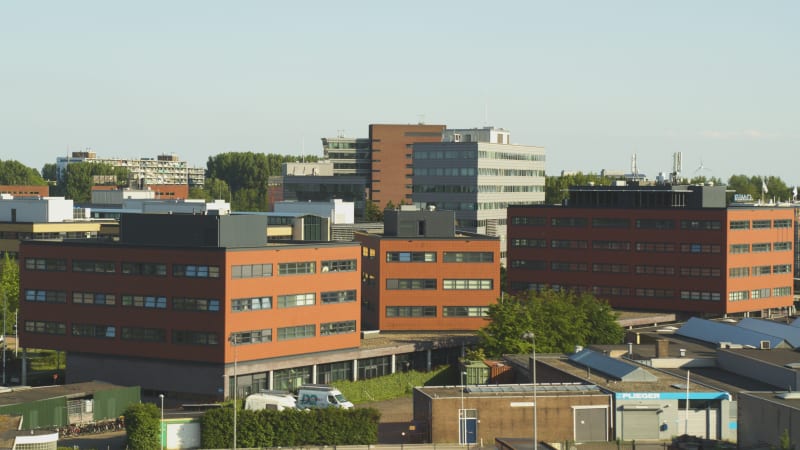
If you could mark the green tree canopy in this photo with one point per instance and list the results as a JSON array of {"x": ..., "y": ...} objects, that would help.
[
  {"x": 560, "y": 320},
  {"x": 555, "y": 187},
  {"x": 754, "y": 185},
  {"x": 79, "y": 179},
  {"x": 143, "y": 426},
  {"x": 9, "y": 284},
  {"x": 15, "y": 173},
  {"x": 246, "y": 175},
  {"x": 50, "y": 172}
]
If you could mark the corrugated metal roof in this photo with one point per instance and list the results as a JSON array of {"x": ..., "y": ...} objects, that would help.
[
  {"x": 528, "y": 388},
  {"x": 612, "y": 367},
  {"x": 716, "y": 332},
  {"x": 790, "y": 334}
]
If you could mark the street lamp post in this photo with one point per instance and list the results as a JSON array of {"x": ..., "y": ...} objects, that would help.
[
  {"x": 403, "y": 439},
  {"x": 462, "y": 423},
  {"x": 161, "y": 424},
  {"x": 233, "y": 340},
  {"x": 532, "y": 337}
]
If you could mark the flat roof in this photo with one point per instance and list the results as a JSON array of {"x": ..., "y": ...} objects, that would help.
[
  {"x": 509, "y": 390},
  {"x": 26, "y": 394},
  {"x": 772, "y": 396}
]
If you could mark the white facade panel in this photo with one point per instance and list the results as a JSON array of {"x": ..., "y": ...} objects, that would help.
[{"x": 36, "y": 210}]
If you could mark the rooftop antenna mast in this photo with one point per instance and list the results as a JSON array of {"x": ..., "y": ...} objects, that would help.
[{"x": 634, "y": 167}]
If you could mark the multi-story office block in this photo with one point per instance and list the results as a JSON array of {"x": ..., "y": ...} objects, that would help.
[
  {"x": 659, "y": 247},
  {"x": 422, "y": 275},
  {"x": 165, "y": 169},
  {"x": 391, "y": 149},
  {"x": 350, "y": 156},
  {"x": 478, "y": 179},
  {"x": 183, "y": 302}
]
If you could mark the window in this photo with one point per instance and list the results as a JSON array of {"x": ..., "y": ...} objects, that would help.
[
  {"x": 700, "y": 295},
  {"x": 93, "y": 298},
  {"x": 298, "y": 332},
  {"x": 331, "y": 328},
  {"x": 530, "y": 243},
  {"x": 760, "y": 293},
  {"x": 699, "y": 248},
  {"x": 194, "y": 337},
  {"x": 611, "y": 291},
  {"x": 529, "y": 221},
  {"x": 465, "y": 311},
  {"x": 600, "y": 222},
  {"x": 740, "y": 248},
  {"x": 529, "y": 264},
  {"x": 655, "y": 293},
  {"x": 338, "y": 296},
  {"x": 145, "y": 269},
  {"x": 45, "y": 264},
  {"x": 251, "y": 304},
  {"x": 144, "y": 301},
  {"x": 761, "y": 224},
  {"x": 410, "y": 311},
  {"x": 762, "y": 247},
  {"x": 195, "y": 304},
  {"x": 740, "y": 225},
  {"x": 195, "y": 271},
  {"x": 34, "y": 295},
  {"x": 411, "y": 283},
  {"x": 143, "y": 334},
  {"x": 93, "y": 266},
  {"x": 252, "y": 337},
  {"x": 762, "y": 270},
  {"x": 782, "y": 268},
  {"x": 781, "y": 291},
  {"x": 655, "y": 247},
  {"x": 782, "y": 246},
  {"x": 294, "y": 300},
  {"x": 468, "y": 257},
  {"x": 739, "y": 272},
  {"x": 738, "y": 295},
  {"x": 410, "y": 256},
  {"x": 655, "y": 270},
  {"x": 701, "y": 224},
  {"x": 568, "y": 222},
  {"x": 611, "y": 245},
  {"x": 782, "y": 223},
  {"x": 569, "y": 244},
  {"x": 557, "y": 266},
  {"x": 340, "y": 265},
  {"x": 95, "y": 331},
  {"x": 297, "y": 268},
  {"x": 42, "y": 327},
  {"x": 655, "y": 224},
  {"x": 251, "y": 271},
  {"x": 700, "y": 272},
  {"x": 478, "y": 285}
]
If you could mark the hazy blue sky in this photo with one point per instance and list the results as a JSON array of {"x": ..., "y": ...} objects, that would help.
[{"x": 592, "y": 81}]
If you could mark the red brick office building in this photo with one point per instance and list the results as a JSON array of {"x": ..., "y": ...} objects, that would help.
[
  {"x": 420, "y": 275},
  {"x": 391, "y": 150},
  {"x": 163, "y": 307},
  {"x": 662, "y": 247}
]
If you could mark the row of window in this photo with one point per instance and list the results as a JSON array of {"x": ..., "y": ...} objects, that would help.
[
  {"x": 189, "y": 270},
  {"x": 428, "y": 257},
  {"x": 430, "y": 311},
  {"x": 622, "y": 291},
  {"x": 189, "y": 337},
  {"x": 647, "y": 224},
  {"x": 655, "y": 247},
  {"x": 430, "y": 284},
  {"x": 759, "y": 293}
]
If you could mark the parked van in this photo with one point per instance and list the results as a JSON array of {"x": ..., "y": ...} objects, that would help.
[
  {"x": 278, "y": 400},
  {"x": 321, "y": 396}
]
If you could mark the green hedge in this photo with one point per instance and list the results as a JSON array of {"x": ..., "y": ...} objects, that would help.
[
  {"x": 396, "y": 385},
  {"x": 143, "y": 426},
  {"x": 290, "y": 428}
]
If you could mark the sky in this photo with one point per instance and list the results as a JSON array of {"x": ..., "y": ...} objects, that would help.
[{"x": 593, "y": 82}]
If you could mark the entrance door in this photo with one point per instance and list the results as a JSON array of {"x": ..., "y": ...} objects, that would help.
[
  {"x": 468, "y": 426},
  {"x": 590, "y": 424}
]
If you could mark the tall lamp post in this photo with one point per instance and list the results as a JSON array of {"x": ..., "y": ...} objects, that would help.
[
  {"x": 234, "y": 341},
  {"x": 161, "y": 425},
  {"x": 532, "y": 337},
  {"x": 462, "y": 415}
]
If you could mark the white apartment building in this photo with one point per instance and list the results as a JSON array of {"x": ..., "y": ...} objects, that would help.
[
  {"x": 165, "y": 169},
  {"x": 478, "y": 179}
]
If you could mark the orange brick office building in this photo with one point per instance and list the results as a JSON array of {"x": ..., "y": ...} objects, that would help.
[
  {"x": 391, "y": 149},
  {"x": 163, "y": 307},
  {"x": 664, "y": 247},
  {"x": 421, "y": 275}
]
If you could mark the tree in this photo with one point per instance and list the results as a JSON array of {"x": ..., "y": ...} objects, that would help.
[
  {"x": 50, "y": 172},
  {"x": 555, "y": 188},
  {"x": 372, "y": 213},
  {"x": 143, "y": 425},
  {"x": 560, "y": 320},
  {"x": 9, "y": 283},
  {"x": 754, "y": 186},
  {"x": 79, "y": 179},
  {"x": 16, "y": 173}
]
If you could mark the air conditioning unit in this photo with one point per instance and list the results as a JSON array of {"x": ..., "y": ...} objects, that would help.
[
  {"x": 764, "y": 345},
  {"x": 456, "y": 137}
]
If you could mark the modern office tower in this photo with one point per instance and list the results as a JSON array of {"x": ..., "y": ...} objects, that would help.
[
  {"x": 478, "y": 174},
  {"x": 420, "y": 274},
  {"x": 391, "y": 148},
  {"x": 656, "y": 247},
  {"x": 350, "y": 156}
]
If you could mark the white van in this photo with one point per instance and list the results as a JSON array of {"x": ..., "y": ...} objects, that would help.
[
  {"x": 321, "y": 396},
  {"x": 278, "y": 400}
]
